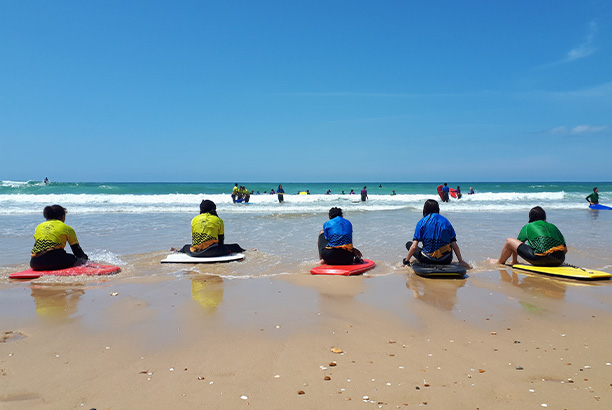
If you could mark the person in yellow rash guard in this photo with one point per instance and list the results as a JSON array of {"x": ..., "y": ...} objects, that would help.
[
  {"x": 208, "y": 234},
  {"x": 50, "y": 240}
]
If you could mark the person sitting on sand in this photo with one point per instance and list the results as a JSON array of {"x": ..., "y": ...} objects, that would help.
[
  {"x": 50, "y": 240},
  {"x": 438, "y": 237},
  {"x": 208, "y": 234},
  {"x": 539, "y": 243},
  {"x": 594, "y": 197},
  {"x": 336, "y": 241}
]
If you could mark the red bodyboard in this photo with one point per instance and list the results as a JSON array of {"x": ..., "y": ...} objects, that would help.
[
  {"x": 439, "y": 189},
  {"x": 453, "y": 193},
  {"x": 344, "y": 270},
  {"x": 90, "y": 269}
]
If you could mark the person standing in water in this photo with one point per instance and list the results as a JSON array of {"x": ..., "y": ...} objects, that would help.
[
  {"x": 445, "y": 192},
  {"x": 50, "y": 240},
  {"x": 594, "y": 197},
  {"x": 364, "y": 194},
  {"x": 281, "y": 194}
]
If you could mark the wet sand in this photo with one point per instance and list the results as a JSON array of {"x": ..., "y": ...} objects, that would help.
[{"x": 498, "y": 340}]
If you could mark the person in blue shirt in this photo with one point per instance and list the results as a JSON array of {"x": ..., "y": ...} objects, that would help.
[
  {"x": 336, "y": 241},
  {"x": 445, "y": 192},
  {"x": 438, "y": 238}
]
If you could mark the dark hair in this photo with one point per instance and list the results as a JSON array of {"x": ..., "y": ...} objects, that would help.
[
  {"x": 594, "y": 189},
  {"x": 431, "y": 207},
  {"x": 208, "y": 207},
  {"x": 334, "y": 212},
  {"x": 54, "y": 212},
  {"x": 537, "y": 213}
]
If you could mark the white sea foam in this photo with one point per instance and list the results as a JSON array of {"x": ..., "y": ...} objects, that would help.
[{"x": 13, "y": 204}]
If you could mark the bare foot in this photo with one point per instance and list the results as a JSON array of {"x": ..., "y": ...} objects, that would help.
[
  {"x": 494, "y": 261},
  {"x": 321, "y": 262}
]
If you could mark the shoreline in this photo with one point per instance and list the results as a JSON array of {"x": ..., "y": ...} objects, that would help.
[{"x": 206, "y": 341}]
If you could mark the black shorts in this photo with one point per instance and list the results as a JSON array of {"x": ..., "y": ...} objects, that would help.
[
  {"x": 53, "y": 260},
  {"x": 554, "y": 259},
  {"x": 334, "y": 256}
]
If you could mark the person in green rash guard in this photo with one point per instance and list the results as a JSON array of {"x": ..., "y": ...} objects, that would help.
[
  {"x": 539, "y": 243},
  {"x": 594, "y": 197}
]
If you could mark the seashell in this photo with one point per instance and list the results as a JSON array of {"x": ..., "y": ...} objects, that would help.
[
  {"x": 327, "y": 378},
  {"x": 301, "y": 392},
  {"x": 336, "y": 350}
]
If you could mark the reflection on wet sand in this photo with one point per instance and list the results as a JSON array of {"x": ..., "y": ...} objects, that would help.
[
  {"x": 441, "y": 293},
  {"x": 551, "y": 287},
  {"x": 207, "y": 291},
  {"x": 56, "y": 303}
]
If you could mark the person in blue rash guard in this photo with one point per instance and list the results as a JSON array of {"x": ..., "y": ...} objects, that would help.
[
  {"x": 438, "y": 237},
  {"x": 336, "y": 241}
]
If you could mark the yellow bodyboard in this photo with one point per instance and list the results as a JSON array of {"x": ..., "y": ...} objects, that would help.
[{"x": 566, "y": 272}]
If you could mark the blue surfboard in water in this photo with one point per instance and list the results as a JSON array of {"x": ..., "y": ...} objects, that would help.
[{"x": 599, "y": 207}]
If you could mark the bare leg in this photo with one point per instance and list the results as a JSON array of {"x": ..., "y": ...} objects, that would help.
[{"x": 509, "y": 249}]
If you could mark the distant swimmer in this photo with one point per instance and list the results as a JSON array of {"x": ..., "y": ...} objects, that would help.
[
  {"x": 50, "y": 240},
  {"x": 235, "y": 193},
  {"x": 208, "y": 234},
  {"x": 393, "y": 193},
  {"x": 380, "y": 186},
  {"x": 458, "y": 192},
  {"x": 364, "y": 194},
  {"x": 336, "y": 241},
  {"x": 539, "y": 243},
  {"x": 46, "y": 181},
  {"x": 438, "y": 238},
  {"x": 352, "y": 192},
  {"x": 342, "y": 192},
  {"x": 471, "y": 191},
  {"x": 328, "y": 192},
  {"x": 445, "y": 192},
  {"x": 281, "y": 194},
  {"x": 594, "y": 197}
]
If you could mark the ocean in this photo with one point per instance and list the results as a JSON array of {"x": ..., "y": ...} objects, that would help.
[{"x": 135, "y": 224}]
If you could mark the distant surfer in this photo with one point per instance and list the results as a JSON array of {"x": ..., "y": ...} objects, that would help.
[
  {"x": 336, "y": 241},
  {"x": 46, "y": 181},
  {"x": 445, "y": 192},
  {"x": 208, "y": 234},
  {"x": 539, "y": 243},
  {"x": 438, "y": 238},
  {"x": 594, "y": 197},
  {"x": 364, "y": 194},
  {"x": 235, "y": 193},
  {"x": 50, "y": 240},
  {"x": 243, "y": 195},
  {"x": 281, "y": 194}
]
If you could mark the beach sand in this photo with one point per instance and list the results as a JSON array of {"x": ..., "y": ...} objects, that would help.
[{"x": 498, "y": 340}]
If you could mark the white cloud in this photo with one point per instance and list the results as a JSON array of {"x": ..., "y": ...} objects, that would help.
[
  {"x": 586, "y": 48},
  {"x": 578, "y": 130}
]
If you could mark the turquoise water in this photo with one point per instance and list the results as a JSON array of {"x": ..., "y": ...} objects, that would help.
[{"x": 118, "y": 222}]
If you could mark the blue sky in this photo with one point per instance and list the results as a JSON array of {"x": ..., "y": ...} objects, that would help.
[{"x": 306, "y": 90}]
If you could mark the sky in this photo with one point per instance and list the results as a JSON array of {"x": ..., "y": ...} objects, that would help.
[{"x": 313, "y": 91}]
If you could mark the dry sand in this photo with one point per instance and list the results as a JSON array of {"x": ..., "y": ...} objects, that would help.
[{"x": 497, "y": 340}]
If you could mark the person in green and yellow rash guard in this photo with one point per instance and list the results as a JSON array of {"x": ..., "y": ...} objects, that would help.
[
  {"x": 539, "y": 243},
  {"x": 50, "y": 240},
  {"x": 208, "y": 234},
  {"x": 594, "y": 197}
]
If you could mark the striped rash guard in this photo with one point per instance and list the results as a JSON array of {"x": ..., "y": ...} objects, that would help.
[
  {"x": 51, "y": 235},
  {"x": 436, "y": 233},
  {"x": 543, "y": 237},
  {"x": 338, "y": 233},
  {"x": 205, "y": 231}
]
